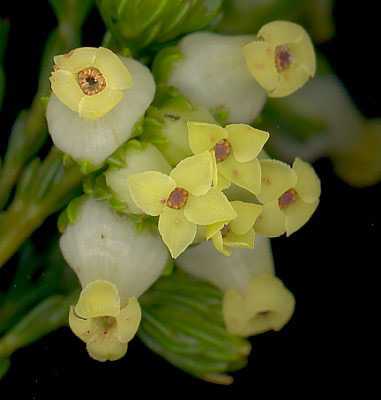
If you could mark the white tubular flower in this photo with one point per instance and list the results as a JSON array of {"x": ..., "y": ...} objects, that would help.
[
  {"x": 110, "y": 257},
  {"x": 97, "y": 99},
  {"x": 255, "y": 301},
  {"x": 212, "y": 73}
]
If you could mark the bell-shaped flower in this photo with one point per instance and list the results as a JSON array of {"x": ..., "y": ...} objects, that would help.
[
  {"x": 238, "y": 232},
  {"x": 290, "y": 196},
  {"x": 99, "y": 320},
  {"x": 97, "y": 99},
  {"x": 255, "y": 301},
  {"x": 110, "y": 258},
  {"x": 183, "y": 200},
  {"x": 235, "y": 149},
  {"x": 281, "y": 58}
]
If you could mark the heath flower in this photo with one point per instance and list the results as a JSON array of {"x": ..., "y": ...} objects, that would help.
[
  {"x": 281, "y": 58},
  {"x": 238, "y": 232},
  {"x": 182, "y": 200},
  {"x": 289, "y": 195},
  {"x": 97, "y": 99},
  {"x": 235, "y": 149}
]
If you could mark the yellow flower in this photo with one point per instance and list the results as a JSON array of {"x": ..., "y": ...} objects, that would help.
[
  {"x": 183, "y": 200},
  {"x": 265, "y": 305},
  {"x": 289, "y": 195},
  {"x": 238, "y": 232},
  {"x": 235, "y": 150},
  {"x": 282, "y": 58},
  {"x": 90, "y": 81},
  {"x": 99, "y": 320}
]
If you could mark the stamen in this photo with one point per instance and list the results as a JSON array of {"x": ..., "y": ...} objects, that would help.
[
  {"x": 283, "y": 58},
  {"x": 225, "y": 230},
  {"x": 178, "y": 198},
  {"x": 222, "y": 150},
  {"x": 287, "y": 198},
  {"x": 91, "y": 81}
]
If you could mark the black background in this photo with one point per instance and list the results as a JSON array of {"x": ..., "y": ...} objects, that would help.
[{"x": 329, "y": 265}]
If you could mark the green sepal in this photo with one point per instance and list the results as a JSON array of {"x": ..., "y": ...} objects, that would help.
[
  {"x": 221, "y": 115},
  {"x": 118, "y": 158},
  {"x": 164, "y": 62},
  {"x": 70, "y": 214},
  {"x": 143, "y": 222}
]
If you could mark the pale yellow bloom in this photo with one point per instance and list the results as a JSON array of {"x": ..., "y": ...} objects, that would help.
[
  {"x": 102, "y": 322},
  {"x": 183, "y": 200},
  {"x": 90, "y": 81},
  {"x": 289, "y": 195},
  {"x": 238, "y": 232},
  {"x": 235, "y": 149},
  {"x": 266, "y": 304},
  {"x": 282, "y": 58}
]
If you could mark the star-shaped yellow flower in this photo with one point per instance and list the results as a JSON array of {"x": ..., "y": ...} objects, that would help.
[
  {"x": 102, "y": 323},
  {"x": 265, "y": 305},
  {"x": 289, "y": 195},
  {"x": 183, "y": 200},
  {"x": 90, "y": 81},
  {"x": 238, "y": 232},
  {"x": 282, "y": 58},
  {"x": 235, "y": 149}
]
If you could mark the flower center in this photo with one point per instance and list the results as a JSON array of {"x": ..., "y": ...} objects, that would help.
[
  {"x": 178, "y": 198},
  {"x": 91, "y": 81},
  {"x": 283, "y": 58},
  {"x": 222, "y": 150},
  {"x": 287, "y": 198},
  {"x": 225, "y": 230}
]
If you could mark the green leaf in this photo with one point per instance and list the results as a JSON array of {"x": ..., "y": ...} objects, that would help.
[
  {"x": 182, "y": 321},
  {"x": 138, "y": 24}
]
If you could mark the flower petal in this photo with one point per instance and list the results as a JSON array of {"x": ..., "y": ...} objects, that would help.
[
  {"x": 297, "y": 214},
  {"x": 277, "y": 178},
  {"x": 176, "y": 231},
  {"x": 96, "y": 106},
  {"x": 203, "y": 136},
  {"x": 247, "y": 214},
  {"x": 247, "y": 142},
  {"x": 222, "y": 182},
  {"x": 214, "y": 229},
  {"x": 246, "y": 175},
  {"x": 208, "y": 209},
  {"x": 281, "y": 32},
  {"x": 150, "y": 190},
  {"x": 245, "y": 241},
  {"x": 308, "y": 185},
  {"x": 272, "y": 221},
  {"x": 106, "y": 349},
  {"x": 195, "y": 174},
  {"x": 113, "y": 69},
  {"x": 98, "y": 299},
  {"x": 128, "y": 320},
  {"x": 82, "y": 328},
  {"x": 219, "y": 244},
  {"x": 77, "y": 59},
  {"x": 66, "y": 88}
]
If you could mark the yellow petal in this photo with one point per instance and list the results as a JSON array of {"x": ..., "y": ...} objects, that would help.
[
  {"x": 106, "y": 349},
  {"x": 65, "y": 87},
  {"x": 246, "y": 175},
  {"x": 96, "y": 106},
  {"x": 247, "y": 214},
  {"x": 245, "y": 240},
  {"x": 272, "y": 221},
  {"x": 219, "y": 244},
  {"x": 128, "y": 320},
  {"x": 194, "y": 174},
  {"x": 247, "y": 142},
  {"x": 208, "y": 209},
  {"x": 213, "y": 229},
  {"x": 277, "y": 178},
  {"x": 113, "y": 69},
  {"x": 82, "y": 328},
  {"x": 222, "y": 182},
  {"x": 260, "y": 60},
  {"x": 297, "y": 214},
  {"x": 203, "y": 136},
  {"x": 77, "y": 59},
  {"x": 308, "y": 185},
  {"x": 281, "y": 32},
  {"x": 150, "y": 190},
  {"x": 176, "y": 231},
  {"x": 234, "y": 312},
  {"x": 98, "y": 299}
]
